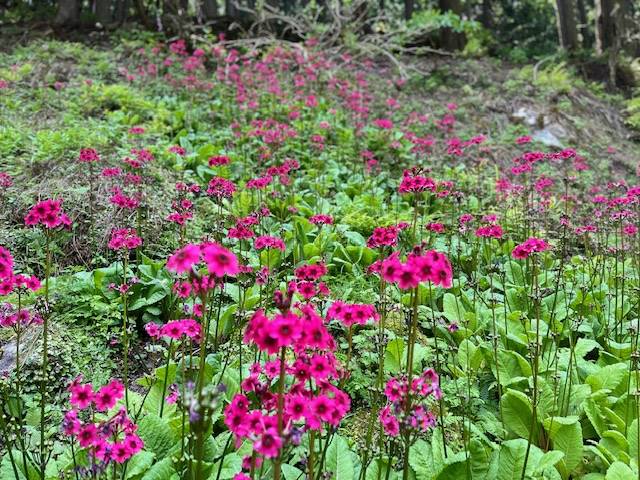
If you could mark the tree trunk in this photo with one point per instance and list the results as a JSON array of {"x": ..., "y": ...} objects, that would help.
[
  {"x": 408, "y": 9},
  {"x": 609, "y": 33},
  {"x": 449, "y": 39},
  {"x": 68, "y": 13},
  {"x": 122, "y": 11},
  {"x": 605, "y": 24},
  {"x": 486, "y": 14},
  {"x": 103, "y": 12},
  {"x": 587, "y": 39},
  {"x": 567, "y": 27},
  {"x": 210, "y": 9},
  {"x": 229, "y": 9}
]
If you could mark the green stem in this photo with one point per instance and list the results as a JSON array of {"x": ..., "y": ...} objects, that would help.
[
  {"x": 166, "y": 377},
  {"x": 45, "y": 358}
]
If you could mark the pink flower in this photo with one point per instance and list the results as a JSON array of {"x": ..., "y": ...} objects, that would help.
[
  {"x": 153, "y": 330},
  {"x": 120, "y": 452},
  {"x": 47, "y": 213},
  {"x": 184, "y": 259},
  {"x": 6, "y": 263},
  {"x": 134, "y": 443},
  {"x": 218, "y": 160},
  {"x": 221, "y": 187},
  {"x": 124, "y": 239},
  {"x": 88, "y": 155},
  {"x": 32, "y": 283},
  {"x": 532, "y": 245},
  {"x": 219, "y": 260},
  {"x": 435, "y": 227},
  {"x": 178, "y": 150},
  {"x": 182, "y": 289},
  {"x": 5, "y": 180},
  {"x": 321, "y": 219},
  {"x": 266, "y": 241},
  {"x": 107, "y": 396},
  {"x": 269, "y": 443},
  {"x": 173, "y": 330},
  {"x": 489, "y": 231},
  {"x": 88, "y": 435},
  {"x": 383, "y": 236},
  {"x": 383, "y": 123},
  {"x": 81, "y": 395}
]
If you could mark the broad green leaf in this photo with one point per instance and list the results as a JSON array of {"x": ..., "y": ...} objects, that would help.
[
  {"x": 453, "y": 308},
  {"x": 584, "y": 346},
  {"x": 156, "y": 434},
  {"x": 6, "y": 469},
  {"x": 469, "y": 355},
  {"x": 163, "y": 470},
  {"x": 515, "y": 275},
  {"x": 608, "y": 377},
  {"x": 379, "y": 468},
  {"x": 456, "y": 467},
  {"x": 619, "y": 471},
  {"x": 421, "y": 461},
  {"x": 227, "y": 467},
  {"x": 437, "y": 449},
  {"x": 566, "y": 435},
  {"x": 512, "y": 459},
  {"x": 338, "y": 460},
  {"x": 393, "y": 356},
  {"x": 139, "y": 463},
  {"x": 512, "y": 367},
  {"x": 289, "y": 472},
  {"x": 549, "y": 459},
  {"x": 618, "y": 438},
  {"x": 517, "y": 413},
  {"x": 592, "y": 410},
  {"x": 480, "y": 453},
  {"x": 632, "y": 438}
]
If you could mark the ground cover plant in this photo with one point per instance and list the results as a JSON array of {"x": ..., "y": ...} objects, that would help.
[{"x": 227, "y": 261}]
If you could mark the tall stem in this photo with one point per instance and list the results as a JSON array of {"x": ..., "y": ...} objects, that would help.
[
  {"x": 125, "y": 329},
  {"x": 413, "y": 327},
  {"x": 278, "y": 461},
  {"x": 536, "y": 354},
  {"x": 45, "y": 358},
  {"x": 166, "y": 377}
]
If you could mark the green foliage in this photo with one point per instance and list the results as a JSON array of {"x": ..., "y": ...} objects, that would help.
[
  {"x": 556, "y": 78},
  {"x": 633, "y": 111}
]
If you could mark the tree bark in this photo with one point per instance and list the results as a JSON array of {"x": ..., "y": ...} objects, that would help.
[
  {"x": 605, "y": 24},
  {"x": 567, "y": 27},
  {"x": 486, "y": 14},
  {"x": 408, "y": 9},
  {"x": 449, "y": 39},
  {"x": 587, "y": 39},
  {"x": 103, "y": 12},
  {"x": 122, "y": 11},
  {"x": 68, "y": 13},
  {"x": 210, "y": 9},
  {"x": 229, "y": 9},
  {"x": 143, "y": 16}
]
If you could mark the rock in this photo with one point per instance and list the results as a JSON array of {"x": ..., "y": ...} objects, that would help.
[
  {"x": 27, "y": 345},
  {"x": 550, "y": 135},
  {"x": 543, "y": 129}
]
